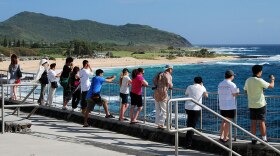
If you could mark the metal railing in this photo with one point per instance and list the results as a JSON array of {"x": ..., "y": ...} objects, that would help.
[
  {"x": 209, "y": 123},
  {"x": 177, "y": 129},
  {"x": 17, "y": 106}
]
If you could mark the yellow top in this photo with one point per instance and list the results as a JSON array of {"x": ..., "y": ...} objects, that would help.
[{"x": 254, "y": 87}]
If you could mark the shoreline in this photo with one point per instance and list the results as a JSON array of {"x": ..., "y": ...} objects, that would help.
[{"x": 33, "y": 65}]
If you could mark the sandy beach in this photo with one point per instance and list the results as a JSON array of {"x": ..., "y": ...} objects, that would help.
[{"x": 32, "y": 66}]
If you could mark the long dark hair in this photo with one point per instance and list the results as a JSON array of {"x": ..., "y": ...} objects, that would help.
[
  {"x": 75, "y": 71},
  {"x": 135, "y": 72},
  {"x": 14, "y": 59}
]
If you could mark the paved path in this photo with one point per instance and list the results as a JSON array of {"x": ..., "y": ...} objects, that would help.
[{"x": 54, "y": 137}]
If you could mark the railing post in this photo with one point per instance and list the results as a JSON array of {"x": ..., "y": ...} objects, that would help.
[
  {"x": 145, "y": 104},
  {"x": 201, "y": 120},
  {"x": 176, "y": 126},
  {"x": 170, "y": 109},
  {"x": 7, "y": 83},
  {"x": 230, "y": 139},
  {"x": 235, "y": 121},
  {"x": 33, "y": 94},
  {"x": 3, "y": 112},
  {"x": 18, "y": 111}
]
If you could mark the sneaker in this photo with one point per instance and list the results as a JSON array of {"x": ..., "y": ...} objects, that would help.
[
  {"x": 254, "y": 142},
  {"x": 109, "y": 116}
]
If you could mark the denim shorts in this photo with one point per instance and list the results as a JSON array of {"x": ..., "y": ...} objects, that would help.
[{"x": 124, "y": 98}]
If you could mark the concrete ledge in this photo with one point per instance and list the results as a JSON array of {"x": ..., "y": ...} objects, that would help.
[
  {"x": 149, "y": 132},
  {"x": 15, "y": 124}
]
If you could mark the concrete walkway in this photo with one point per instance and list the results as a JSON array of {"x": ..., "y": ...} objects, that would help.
[{"x": 54, "y": 137}]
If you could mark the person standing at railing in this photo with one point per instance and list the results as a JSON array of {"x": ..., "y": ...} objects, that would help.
[
  {"x": 254, "y": 87},
  {"x": 227, "y": 92},
  {"x": 136, "y": 93},
  {"x": 43, "y": 81},
  {"x": 52, "y": 79},
  {"x": 15, "y": 75},
  {"x": 75, "y": 87},
  {"x": 125, "y": 81},
  {"x": 64, "y": 81},
  {"x": 162, "y": 82},
  {"x": 85, "y": 73},
  {"x": 196, "y": 91},
  {"x": 93, "y": 95}
]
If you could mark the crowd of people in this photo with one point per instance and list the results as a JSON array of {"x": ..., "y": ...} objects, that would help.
[{"x": 78, "y": 87}]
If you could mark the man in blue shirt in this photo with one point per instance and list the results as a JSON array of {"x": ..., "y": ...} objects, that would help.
[{"x": 93, "y": 96}]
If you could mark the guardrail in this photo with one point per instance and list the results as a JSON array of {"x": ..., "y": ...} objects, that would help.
[
  {"x": 18, "y": 106},
  {"x": 177, "y": 129},
  {"x": 209, "y": 123}
]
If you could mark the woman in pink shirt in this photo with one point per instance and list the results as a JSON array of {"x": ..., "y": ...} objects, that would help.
[{"x": 136, "y": 93}]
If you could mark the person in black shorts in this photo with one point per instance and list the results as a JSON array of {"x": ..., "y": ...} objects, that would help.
[
  {"x": 136, "y": 93},
  {"x": 254, "y": 87},
  {"x": 125, "y": 82},
  {"x": 227, "y": 91}
]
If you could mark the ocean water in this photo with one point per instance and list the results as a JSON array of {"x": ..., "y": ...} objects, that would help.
[{"x": 212, "y": 73}]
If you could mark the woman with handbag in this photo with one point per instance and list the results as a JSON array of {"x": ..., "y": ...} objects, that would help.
[
  {"x": 64, "y": 81},
  {"x": 52, "y": 79},
  {"x": 15, "y": 75},
  {"x": 43, "y": 81},
  {"x": 75, "y": 87}
]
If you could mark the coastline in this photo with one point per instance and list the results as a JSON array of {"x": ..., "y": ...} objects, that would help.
[{"x": 32, "y": 65}]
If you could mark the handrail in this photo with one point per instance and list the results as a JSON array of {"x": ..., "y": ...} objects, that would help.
[
  {"x": 169, "y": 108},
  {"x": 16, "y": 105}
]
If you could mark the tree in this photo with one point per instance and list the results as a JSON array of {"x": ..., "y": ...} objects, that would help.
[
  {"x": 18, "y": 43},
  {"x": 5, "y": 42},
  {"x": 23, "y": 43}
]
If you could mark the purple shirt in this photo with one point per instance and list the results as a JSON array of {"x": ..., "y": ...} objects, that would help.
[{"x": 136, "y": 85}]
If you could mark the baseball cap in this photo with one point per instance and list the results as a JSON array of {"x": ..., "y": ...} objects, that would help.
[
  {"x": 229, "y": 73},
  {"x": 125, "y": 70},
  {"x": 168, "y": 67}
]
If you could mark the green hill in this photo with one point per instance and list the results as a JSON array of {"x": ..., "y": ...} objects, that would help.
[{"x": 39, "y": 27}]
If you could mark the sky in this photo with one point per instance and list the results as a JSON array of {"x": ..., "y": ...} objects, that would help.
[{"x": 199, "y": 21}]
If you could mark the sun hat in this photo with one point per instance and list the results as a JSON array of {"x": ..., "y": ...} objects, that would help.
[{"x": 43, "y": 61}]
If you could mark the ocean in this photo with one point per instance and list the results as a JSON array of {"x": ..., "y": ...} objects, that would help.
[{"x": 212, "y": 73}]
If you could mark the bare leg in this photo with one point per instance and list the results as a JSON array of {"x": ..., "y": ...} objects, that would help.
[
  {"x": 15, "y": 92},
  {"x": 121, "y": 112},
  {"x": 131, "y": 112},
  {"x": 263, "y": 128},
  {"x": 222, "y": 130},
  {"x": 86, "y": 118},
  {"x": 226, "y": 130},
  {"x": 137, "y": 113},
  {"x": 105, "y": 106}
]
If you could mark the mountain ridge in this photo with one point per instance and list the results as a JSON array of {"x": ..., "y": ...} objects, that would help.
[{"x": 40, "y": 27}]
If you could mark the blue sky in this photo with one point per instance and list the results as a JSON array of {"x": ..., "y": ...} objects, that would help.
[{"x": 199, "y": 21}]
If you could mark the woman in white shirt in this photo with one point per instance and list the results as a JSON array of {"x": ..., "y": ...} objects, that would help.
[
  {"x": 52, "y": 79},
  {"x": 196, "y": 91},
  {"x": 125, "y": 81}
]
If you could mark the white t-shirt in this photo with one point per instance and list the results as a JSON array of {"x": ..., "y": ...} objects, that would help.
[
  {"x": 194, "y": 91},
  {"x": 51, "y": 75},
  {"x": 125, "y": 87},
  {"x": 226, "y": 89},
  {"x": 84, "y": 78}
]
